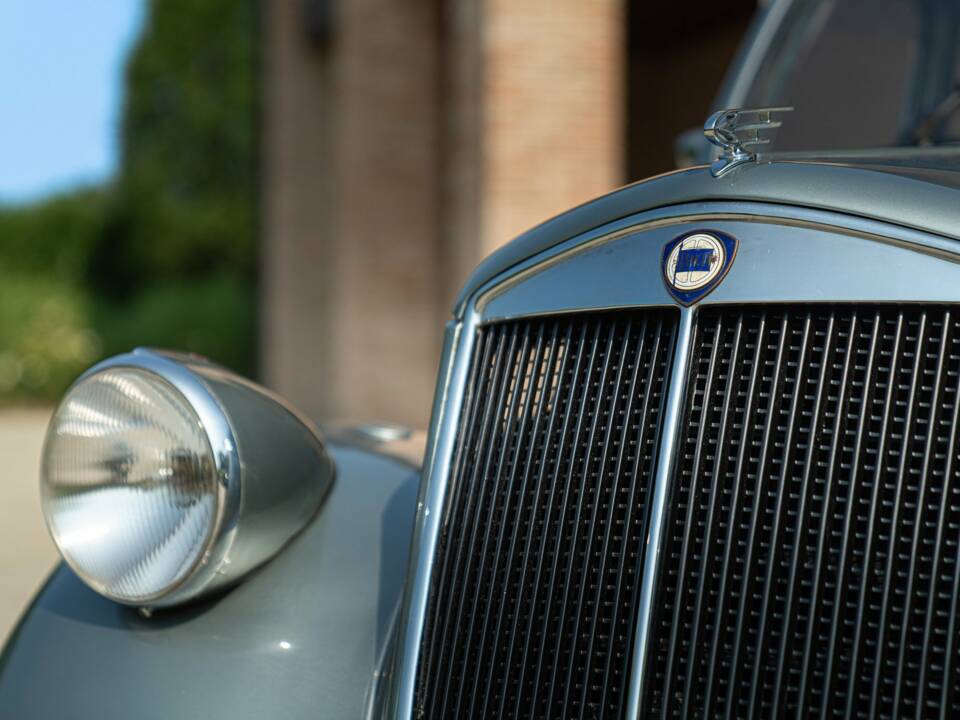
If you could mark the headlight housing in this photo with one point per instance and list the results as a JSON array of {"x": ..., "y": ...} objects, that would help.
[{"x": 165, "y": 477}]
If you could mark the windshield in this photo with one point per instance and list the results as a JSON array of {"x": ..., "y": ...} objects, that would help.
[{"x": 864, "y": 73}]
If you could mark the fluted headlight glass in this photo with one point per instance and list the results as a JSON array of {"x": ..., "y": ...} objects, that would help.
[{"x": 129, "y": 484}]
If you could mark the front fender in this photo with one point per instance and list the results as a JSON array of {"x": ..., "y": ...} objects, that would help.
[{"x": 301, "y": 637}]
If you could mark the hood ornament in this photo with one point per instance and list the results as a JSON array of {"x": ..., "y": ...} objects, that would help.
[{"x": 736, "y": 130}]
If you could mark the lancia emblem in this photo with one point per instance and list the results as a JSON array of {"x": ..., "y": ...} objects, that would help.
[{"x": 695, "y": 263}]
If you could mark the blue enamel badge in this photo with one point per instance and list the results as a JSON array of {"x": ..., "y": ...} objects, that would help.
[{"x": 696, "y": 262}]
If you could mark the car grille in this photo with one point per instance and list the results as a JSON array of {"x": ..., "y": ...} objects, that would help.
[
  {"x": 811, "y": 536},
  {"x": 538, "y": 567},
  {"x": 810, "y": 565}
]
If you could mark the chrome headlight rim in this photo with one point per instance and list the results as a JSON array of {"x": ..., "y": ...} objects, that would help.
[{"x": 222, "y": 443}]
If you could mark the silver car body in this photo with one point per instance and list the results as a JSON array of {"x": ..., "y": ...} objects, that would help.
[{"x": 332, "y": 626}]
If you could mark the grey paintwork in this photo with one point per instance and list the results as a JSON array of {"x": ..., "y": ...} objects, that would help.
[
  {"x": 910, "y": 188},
  {"x": 302, "y": 637}
]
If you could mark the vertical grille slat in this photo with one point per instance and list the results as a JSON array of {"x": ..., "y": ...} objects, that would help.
[
  {"x": 806, "y": 489},
  {"x": 752, "y": 535},
  {"x": 567, "y": 468},
  {"x": 705, "y": 573},
  {"x": 760, "y": 688},
  {"x": 857, "y": 463},
  {"x": 472, "y": 411},
  {"x": 498, "y": 446},
  {"x": 533, "y": 616},
  {"x": 531, "y": 519},
  {"x": 519, "y": 390},
  {"x": 530, "y": 392},
  {"x": 459, "y": 567},
  {"x": 691, "y": 537},
  {"x": 536, "y": 576},
  {"x": 822, "y": 537},
  {"x": 874, "y": 506},
  {"x": 615, "y": 397},
  {"x": 938, "y": 544},
  {"x": 487, "y": 449},
  {"x": 812, "y": 539},
  {"x": 736, "y": 498},
  {"x": 559, "y": 585},
  {"x": 888, "y": 576},
  {"x": 918, "y": 525},
  {"x": 621, "y": 555}
]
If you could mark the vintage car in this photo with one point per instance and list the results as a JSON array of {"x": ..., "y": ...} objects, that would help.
[{"x": 694, "y": 452}]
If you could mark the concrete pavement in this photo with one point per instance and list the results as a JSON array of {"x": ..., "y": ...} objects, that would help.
[{"x": 26, "y": 552}]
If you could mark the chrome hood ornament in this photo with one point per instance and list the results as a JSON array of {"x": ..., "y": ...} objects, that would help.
[{"x": 735, "y": 130}]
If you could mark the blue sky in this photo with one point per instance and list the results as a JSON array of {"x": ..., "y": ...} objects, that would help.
[{"x": 61, "y": 84}]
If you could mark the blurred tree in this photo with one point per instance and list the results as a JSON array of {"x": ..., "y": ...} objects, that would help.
[
  {"x": 55, "y": 238},
  {"x": 185, "y": 195},
  {"x": 45, "y": 336},
  {"x": 164, "y": 255},
  {"x": 183, "y": 209}
]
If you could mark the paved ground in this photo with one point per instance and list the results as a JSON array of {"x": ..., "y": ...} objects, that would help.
[{"x": 26, "y": 551}]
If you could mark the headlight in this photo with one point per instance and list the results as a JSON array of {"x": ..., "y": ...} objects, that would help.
[{"x": 164, "y": 477}]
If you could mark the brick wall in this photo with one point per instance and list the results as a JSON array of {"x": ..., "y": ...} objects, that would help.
[
  {"x": 553, "y": 94},
  {"x": 425, "y": 135}
]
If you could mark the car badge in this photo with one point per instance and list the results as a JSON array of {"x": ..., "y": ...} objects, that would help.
[{"x": 696, "y": 262}]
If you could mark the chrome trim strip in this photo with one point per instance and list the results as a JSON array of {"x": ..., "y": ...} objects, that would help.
[
  {"x": 661, "y": 487},
  {"x": 381, "y": 670},
  {"x": 458, "y": 350},
  {"x": 454, "y": 364},
  {"x": 629, "y": 282}
]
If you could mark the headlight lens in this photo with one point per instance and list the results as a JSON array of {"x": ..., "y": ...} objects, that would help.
[{"x": 129, "y": 484}]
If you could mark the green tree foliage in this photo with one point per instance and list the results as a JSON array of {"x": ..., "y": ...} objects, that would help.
[
  {"x": 55, "y": 238},
  {"x": 165, "y": 254},
  {"x": 185, "y": 196}
]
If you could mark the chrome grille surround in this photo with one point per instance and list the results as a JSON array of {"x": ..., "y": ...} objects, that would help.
[{"x": 788, "y": 255}]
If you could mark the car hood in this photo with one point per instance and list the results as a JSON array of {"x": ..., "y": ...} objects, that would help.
[{"x": 912, "y": 187}]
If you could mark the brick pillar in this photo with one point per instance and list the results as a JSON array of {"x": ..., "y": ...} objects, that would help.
[
  {"x": 553, "y": 94},
  {"x": 427, "y": 134},
  {"x": 350, "y": 227},
  {"x": 298, "y": 210},
  {"x": 537, "y": 114},
  {"x": 386, "y": 337}
]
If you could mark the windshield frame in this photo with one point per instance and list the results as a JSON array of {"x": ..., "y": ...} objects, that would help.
[{"x": 933, "y": 79}]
